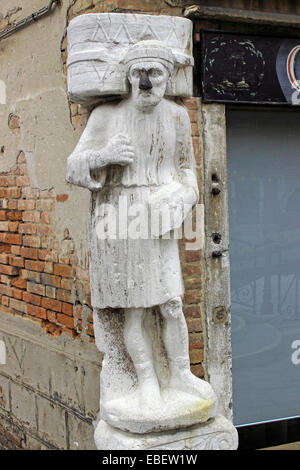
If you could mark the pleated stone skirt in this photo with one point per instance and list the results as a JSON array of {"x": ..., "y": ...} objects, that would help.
[{"x": 129, "y": 271}]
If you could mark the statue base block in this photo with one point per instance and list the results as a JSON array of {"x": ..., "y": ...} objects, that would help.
[
  {"x": 216, "y": 434},
  {"x": 176, "y": 410}
]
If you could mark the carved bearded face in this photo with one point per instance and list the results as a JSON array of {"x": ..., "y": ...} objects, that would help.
[{"x": 148, "y": 82}]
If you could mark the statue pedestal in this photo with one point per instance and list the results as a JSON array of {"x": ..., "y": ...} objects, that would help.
[
  {"x": 175, "y": 410},
  {"x": 216, "y": 434}
]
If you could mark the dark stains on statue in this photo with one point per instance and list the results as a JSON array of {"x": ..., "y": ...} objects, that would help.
[{"x": 145, "y": 83}]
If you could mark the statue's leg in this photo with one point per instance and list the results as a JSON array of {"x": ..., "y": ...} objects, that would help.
[
  {"x": 140, "y": 350},
  {"x": 175, "y": 337}
]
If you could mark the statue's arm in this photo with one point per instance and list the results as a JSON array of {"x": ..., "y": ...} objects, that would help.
[
  {"x": 185, "y": 160},
  {"x": 81, "y": 162},
  {"x": 177, "y": 199},
  {"x": 86, "y": 166}
]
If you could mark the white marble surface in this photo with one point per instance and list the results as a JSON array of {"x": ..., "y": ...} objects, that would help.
[
  {"x": 98, "y": 43},
  {"x": 216, "y": 434},
  {"x": 139, "y": 151}
]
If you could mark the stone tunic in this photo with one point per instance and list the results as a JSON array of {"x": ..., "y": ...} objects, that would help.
[{"x": 140, "y": 272}]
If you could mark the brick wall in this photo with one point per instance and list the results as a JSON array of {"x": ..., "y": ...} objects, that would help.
[{"x": 39, "y": 274}]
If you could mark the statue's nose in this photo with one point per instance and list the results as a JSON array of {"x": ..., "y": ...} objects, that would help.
[{"x": 144, "y": 83}]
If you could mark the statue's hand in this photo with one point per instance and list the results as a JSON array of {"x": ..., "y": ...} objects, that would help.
[{"x": 119, "y": 150}]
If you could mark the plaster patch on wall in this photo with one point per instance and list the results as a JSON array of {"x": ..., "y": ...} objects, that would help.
[
  {"x": 2, "y": 352},
  {"x": 2, "y": 92},
  {"x": 30, "y": 159},
  {"x": 38, "y": 94}
]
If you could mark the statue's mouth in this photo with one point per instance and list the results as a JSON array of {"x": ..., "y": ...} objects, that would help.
[{"x": 145, "y": 92}]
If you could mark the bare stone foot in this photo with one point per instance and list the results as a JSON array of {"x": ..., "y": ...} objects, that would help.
[{"x": 186, "y": 381}]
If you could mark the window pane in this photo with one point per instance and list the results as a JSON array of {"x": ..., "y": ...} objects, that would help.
[{"x": 264, "y": 214}]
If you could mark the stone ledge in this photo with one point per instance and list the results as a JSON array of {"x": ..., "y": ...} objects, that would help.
[
  {"x": 216, "y": 434},
  {"x": 241, "y": 16}
]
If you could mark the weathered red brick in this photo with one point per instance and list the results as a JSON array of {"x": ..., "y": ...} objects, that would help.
[
  {"x": 192, "y": 255},
  {"x": 32, "y": 241},
  {"x": 43, "y": 230},
  {"x": 7, "y": 180},
  {"x": 48, "y": 267},
  {"x": 17, "y": 293},
  {"x": 51, "y": 304},
  {"x": 193, "y": 115},
  {"x": 50, "y": 280},
  {"x": 15, "y": 249},
  {"x": 14, "y": 215},
  {"x": 65, "y": 320},
  {"x": 19, "y": 283},
  {"x": 192, "y": 311},
  {"x": 190, "y": 103},
  {"x": 45, "y": 217},
  {"x": 16, "y": 261},
  {"x": 10, "y": 193},
  {"x": 4, "y": 279},
  {"x": 11, "y": 238},
  {"x": 18, "y": 305},
  {"x": 90, "y": 329},
  {"x": 63, "y": 295},
  {"x": 22, "y": 181},
  {"x": 32, "y": 298},
  {"x": 62, "y": 197},
  {"x": 190, "y": 269},
  {"x": 51, "y": 316},
  {"x": 66, "y": 284},
  {"x": 4, "y": 258},
  {"x": 194, "y": 324},
  {"x": 28, "y": 228},
  {"x": 6, "y": 290},
  {"x": 45, "y": 204},
  {"x": 30, "y": 275},
  {"x": 37, "y": 311},
  {"x": 64, "y": 259},
  {"x": 5, "y": 248},
  {"x": 192, "y": 283},
  {"x": 13, "y": 226},
  {"x": 8, "y": 270},
  {"x": 197, "y": 370},
  {"x": 31, "y": 253},
  {"x": 193, "y": 296},
  {"x": 30, "y": 193},
  {"x": 36, "y": 288},
  {"x": 31, "y": 216},
  {"x": 4, "y": 226},
  {"x": 196, "y": 341},
  {"x": 67, "y": 308},
  {"x": 51, "y": 292},
  {"x": 34, "y": 265},
  {"x": 197, "y": 150},
  {"x": 4, "y": 301},
  {"x": 62, "y": 270},
  {"x": 11, "y": 203},
  {"x": 45, "y": 255},
  {"x": 26, "y": 204},
  {"x": 196, "y": 356}
]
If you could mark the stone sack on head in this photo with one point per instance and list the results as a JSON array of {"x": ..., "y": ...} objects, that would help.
[{"x": 100, "y": 45}]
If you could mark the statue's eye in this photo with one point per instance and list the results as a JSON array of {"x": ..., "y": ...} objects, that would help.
[
  {"x": 155, "y": 72},
  {"x": 135, "y": 73}
]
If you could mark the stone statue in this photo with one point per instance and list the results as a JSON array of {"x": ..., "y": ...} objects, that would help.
[{"x": 136, "y": 155}]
